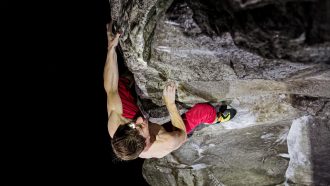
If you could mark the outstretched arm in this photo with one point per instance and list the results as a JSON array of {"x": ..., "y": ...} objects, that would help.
[
  {"x": 111, "y": 74},
  {"x": 111, "y": 77}
]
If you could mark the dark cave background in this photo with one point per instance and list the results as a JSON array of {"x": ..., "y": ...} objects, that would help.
[
  {"x": 85, "y": 72},
  {"x": 57, "y": 103}
]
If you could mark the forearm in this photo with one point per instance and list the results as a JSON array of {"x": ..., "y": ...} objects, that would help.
[
  {"x": 111, "y": 74},
  {"x": 176, "y": 118}
]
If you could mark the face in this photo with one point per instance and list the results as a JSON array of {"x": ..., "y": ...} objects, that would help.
[{"x": 143, "y": 128}]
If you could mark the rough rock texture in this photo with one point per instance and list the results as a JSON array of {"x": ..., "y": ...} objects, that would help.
[
  {"x": 232, "y": 157},
  {"x": 307, "y": 141},
  {"x": 269, "y": 59}
]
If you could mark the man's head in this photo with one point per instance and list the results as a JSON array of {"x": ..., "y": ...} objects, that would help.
[{"x": 131, "y": 139}]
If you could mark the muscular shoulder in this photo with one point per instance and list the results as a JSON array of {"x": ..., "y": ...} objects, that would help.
[
  {"x": 164, "y": 136},
  {"x": 114, "y": 103},
  {"x": 165, "y": 143},
  {"x": 115, "y": 119},
  {"x": 173, "y": 140}
]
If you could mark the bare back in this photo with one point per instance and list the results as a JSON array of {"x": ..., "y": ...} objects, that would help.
[{"x": 164, "y": 142}]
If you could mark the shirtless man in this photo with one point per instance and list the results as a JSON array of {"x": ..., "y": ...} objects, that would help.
[{"x": 132, "y": 135}]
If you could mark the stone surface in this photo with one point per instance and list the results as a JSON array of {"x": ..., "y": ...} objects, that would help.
[
  {"x": 269, "y": 59},
  {"x": 308, "y": 143},
  {"x": 198, "y": 54},
  {"x": 300, "y": 166},
  {"x": 247, "y": 156}
]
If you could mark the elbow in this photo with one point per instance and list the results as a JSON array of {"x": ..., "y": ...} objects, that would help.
[
  {"x": 184, "y": 139},
  {"x": 110, "y": 90},
  {"x": 183, "y": 136},
  {"x": 107, "y": 87}
]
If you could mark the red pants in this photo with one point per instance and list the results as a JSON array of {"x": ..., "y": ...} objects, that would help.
[{"x": 199, "y": 113}]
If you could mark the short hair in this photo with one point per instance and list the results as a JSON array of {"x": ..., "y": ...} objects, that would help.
[{"x": 127, "y": 143}]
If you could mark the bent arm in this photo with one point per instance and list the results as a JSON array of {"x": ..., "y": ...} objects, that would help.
[{"x": 176, "y": 119}]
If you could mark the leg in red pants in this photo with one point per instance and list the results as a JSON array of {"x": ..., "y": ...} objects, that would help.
[{"x": 199, "y": 113}]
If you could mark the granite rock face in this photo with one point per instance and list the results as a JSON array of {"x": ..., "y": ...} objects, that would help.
[
  {"x": 269, "y": 59},
  {"x": 307, "y": 143},
  {"x": 231, "y": 157}
]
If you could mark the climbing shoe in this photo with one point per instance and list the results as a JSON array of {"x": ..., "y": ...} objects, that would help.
[{"x": 225, "y": 115}]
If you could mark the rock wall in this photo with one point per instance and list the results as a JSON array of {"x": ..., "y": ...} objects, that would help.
[
  {"x": 269, "y": 59},
  {"x": 231, "y": 157}
]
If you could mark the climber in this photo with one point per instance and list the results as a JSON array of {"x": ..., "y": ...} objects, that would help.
[{"x": 132, "y": 135}]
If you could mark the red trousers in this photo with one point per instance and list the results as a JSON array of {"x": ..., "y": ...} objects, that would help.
[{"x": 199, "y": 113}]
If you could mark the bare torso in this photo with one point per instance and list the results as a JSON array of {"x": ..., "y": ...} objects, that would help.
[{"x": 160, "y": 142}]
